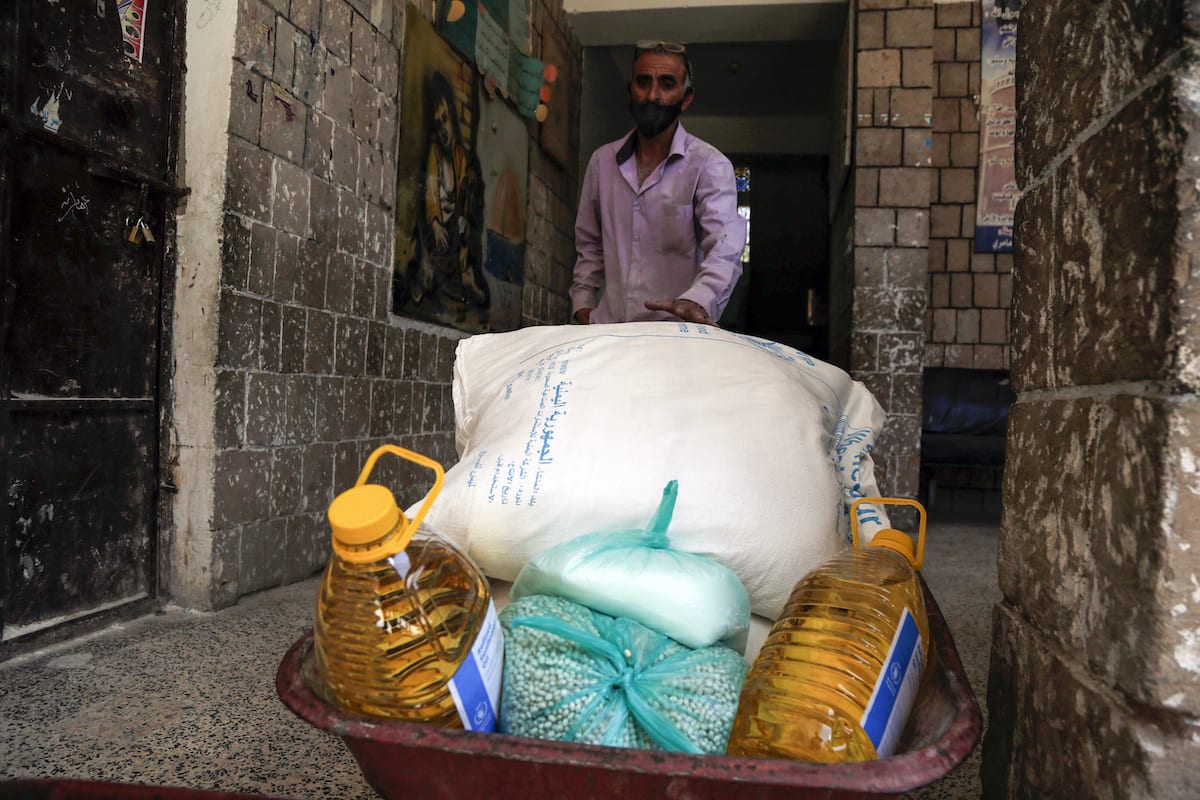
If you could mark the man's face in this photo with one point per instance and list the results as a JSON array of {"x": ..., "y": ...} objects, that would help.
[
  {"x": 657, "y": 93},
  {"x": 659, "y": 78},
  {"x": 441, "y": 123}
]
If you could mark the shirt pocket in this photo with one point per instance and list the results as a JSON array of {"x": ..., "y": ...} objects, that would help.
[{"x": 678, "y": 233}]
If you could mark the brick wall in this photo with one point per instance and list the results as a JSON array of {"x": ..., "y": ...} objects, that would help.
[
  {"x": 969, "y": 293},
  {"x": 890, "y": 237},
  {"x": 312, "y": 371}
]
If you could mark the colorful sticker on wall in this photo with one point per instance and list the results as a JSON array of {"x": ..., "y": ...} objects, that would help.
[
  {"x": 520, "y": 27},
  {"x": 132, "y": 14},
  {"x": 555, "y": 132},
  {"x": 997, "y": 200},
  {"x": 493, "y": 34},
  {"x": 48, "y": 112}
]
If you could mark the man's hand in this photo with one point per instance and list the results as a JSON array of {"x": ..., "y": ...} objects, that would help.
[
  {"x": 684, "y": 309},
  {"x": 583, "y": 316}
]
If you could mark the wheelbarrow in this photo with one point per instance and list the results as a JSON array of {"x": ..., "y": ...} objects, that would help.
[{"x": 405, "y": 760}]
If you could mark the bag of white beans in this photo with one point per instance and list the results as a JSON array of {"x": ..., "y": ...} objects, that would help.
[{"x": 576, "y": 675}]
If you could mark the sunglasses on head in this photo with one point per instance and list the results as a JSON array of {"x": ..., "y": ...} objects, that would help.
[{"x": 660, "y": 47}]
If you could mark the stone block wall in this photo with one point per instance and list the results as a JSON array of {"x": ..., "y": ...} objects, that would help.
[
  {"x": 890, "y": 230},
  {"x": 312, "y": 372},
  {"x": 969, "y": 293},
  {"x": 1094, "y": 687}
]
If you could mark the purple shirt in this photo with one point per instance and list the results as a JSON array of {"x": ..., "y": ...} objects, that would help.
[{"x": 678, "y": 235}]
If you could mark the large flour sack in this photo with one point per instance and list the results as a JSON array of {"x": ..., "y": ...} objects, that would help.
[{"x": 567, "y": 430}]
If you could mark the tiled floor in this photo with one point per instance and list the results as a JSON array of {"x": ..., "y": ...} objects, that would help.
[{"x": 186, "y": 699}]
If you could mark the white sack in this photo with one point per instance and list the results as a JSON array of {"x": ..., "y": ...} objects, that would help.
[{"x": 568, "y": 430}]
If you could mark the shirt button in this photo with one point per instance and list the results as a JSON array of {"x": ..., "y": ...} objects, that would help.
[{"x": 637, "y": 238}]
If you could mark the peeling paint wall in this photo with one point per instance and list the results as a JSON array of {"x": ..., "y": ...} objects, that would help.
[
  {"x": 290, "y": 367},
  {"x": 1095, "y": 677}
]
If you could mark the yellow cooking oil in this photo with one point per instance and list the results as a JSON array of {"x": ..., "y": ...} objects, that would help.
[
  {"x": 838, "y": 674},
  {"x": 405, "y": 627}
]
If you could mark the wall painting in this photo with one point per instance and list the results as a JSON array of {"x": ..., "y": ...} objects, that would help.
[{"x": 461, "y": 169}]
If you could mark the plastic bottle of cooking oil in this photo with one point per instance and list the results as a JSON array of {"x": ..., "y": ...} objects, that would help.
[
  {"x": 836, "y": 678},
  {"x": 405, "y": 626}
]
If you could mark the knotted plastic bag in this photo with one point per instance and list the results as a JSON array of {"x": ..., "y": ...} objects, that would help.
[
  {"x": 573, "y": 674},
  {"x": 692, "y": 598}
]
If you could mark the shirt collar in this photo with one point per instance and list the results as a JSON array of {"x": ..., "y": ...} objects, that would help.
[{"x": 678, "y": 144}]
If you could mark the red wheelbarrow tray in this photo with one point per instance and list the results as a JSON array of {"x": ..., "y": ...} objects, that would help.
[{"x": 411, "y": 760}]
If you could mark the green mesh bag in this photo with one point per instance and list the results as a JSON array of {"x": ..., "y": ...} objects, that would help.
[{"x": 573, "y": 674}]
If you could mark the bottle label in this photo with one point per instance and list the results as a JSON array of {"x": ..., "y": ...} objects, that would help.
[
  {"x": 896, "y": 688},
  {"x": 475, "y": 686}
]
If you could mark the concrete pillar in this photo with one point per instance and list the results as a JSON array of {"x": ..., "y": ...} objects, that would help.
[
  {"x": 189, "y": 562},
  {"x": 1094, "y": 689}
]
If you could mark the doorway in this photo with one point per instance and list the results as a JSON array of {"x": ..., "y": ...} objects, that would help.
[
  {"x": 785, "y": 281},
  {"x": 87, "y": 146},
  {"x": 781, "y": 130}
]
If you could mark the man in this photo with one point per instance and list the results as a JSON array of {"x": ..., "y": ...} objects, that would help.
[{"x": 657, "y": 229}]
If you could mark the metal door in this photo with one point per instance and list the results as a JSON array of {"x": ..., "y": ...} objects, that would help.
[{"x": 86, "y": 165}]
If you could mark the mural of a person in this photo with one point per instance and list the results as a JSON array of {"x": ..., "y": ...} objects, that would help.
[
  {"x": 451, "y": 210},
  {"x": 458, "y": 260}
]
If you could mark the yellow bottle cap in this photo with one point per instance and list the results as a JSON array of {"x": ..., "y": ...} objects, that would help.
[
  {"x": 899, "y": 541},
  {"x": 891, "y": 538},
  {"x": 366, "y": 522},
  {"x": 361, "y": 517}
]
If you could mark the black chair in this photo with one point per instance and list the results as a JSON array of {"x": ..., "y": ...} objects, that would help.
[{"x": 964, "y": 421}]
